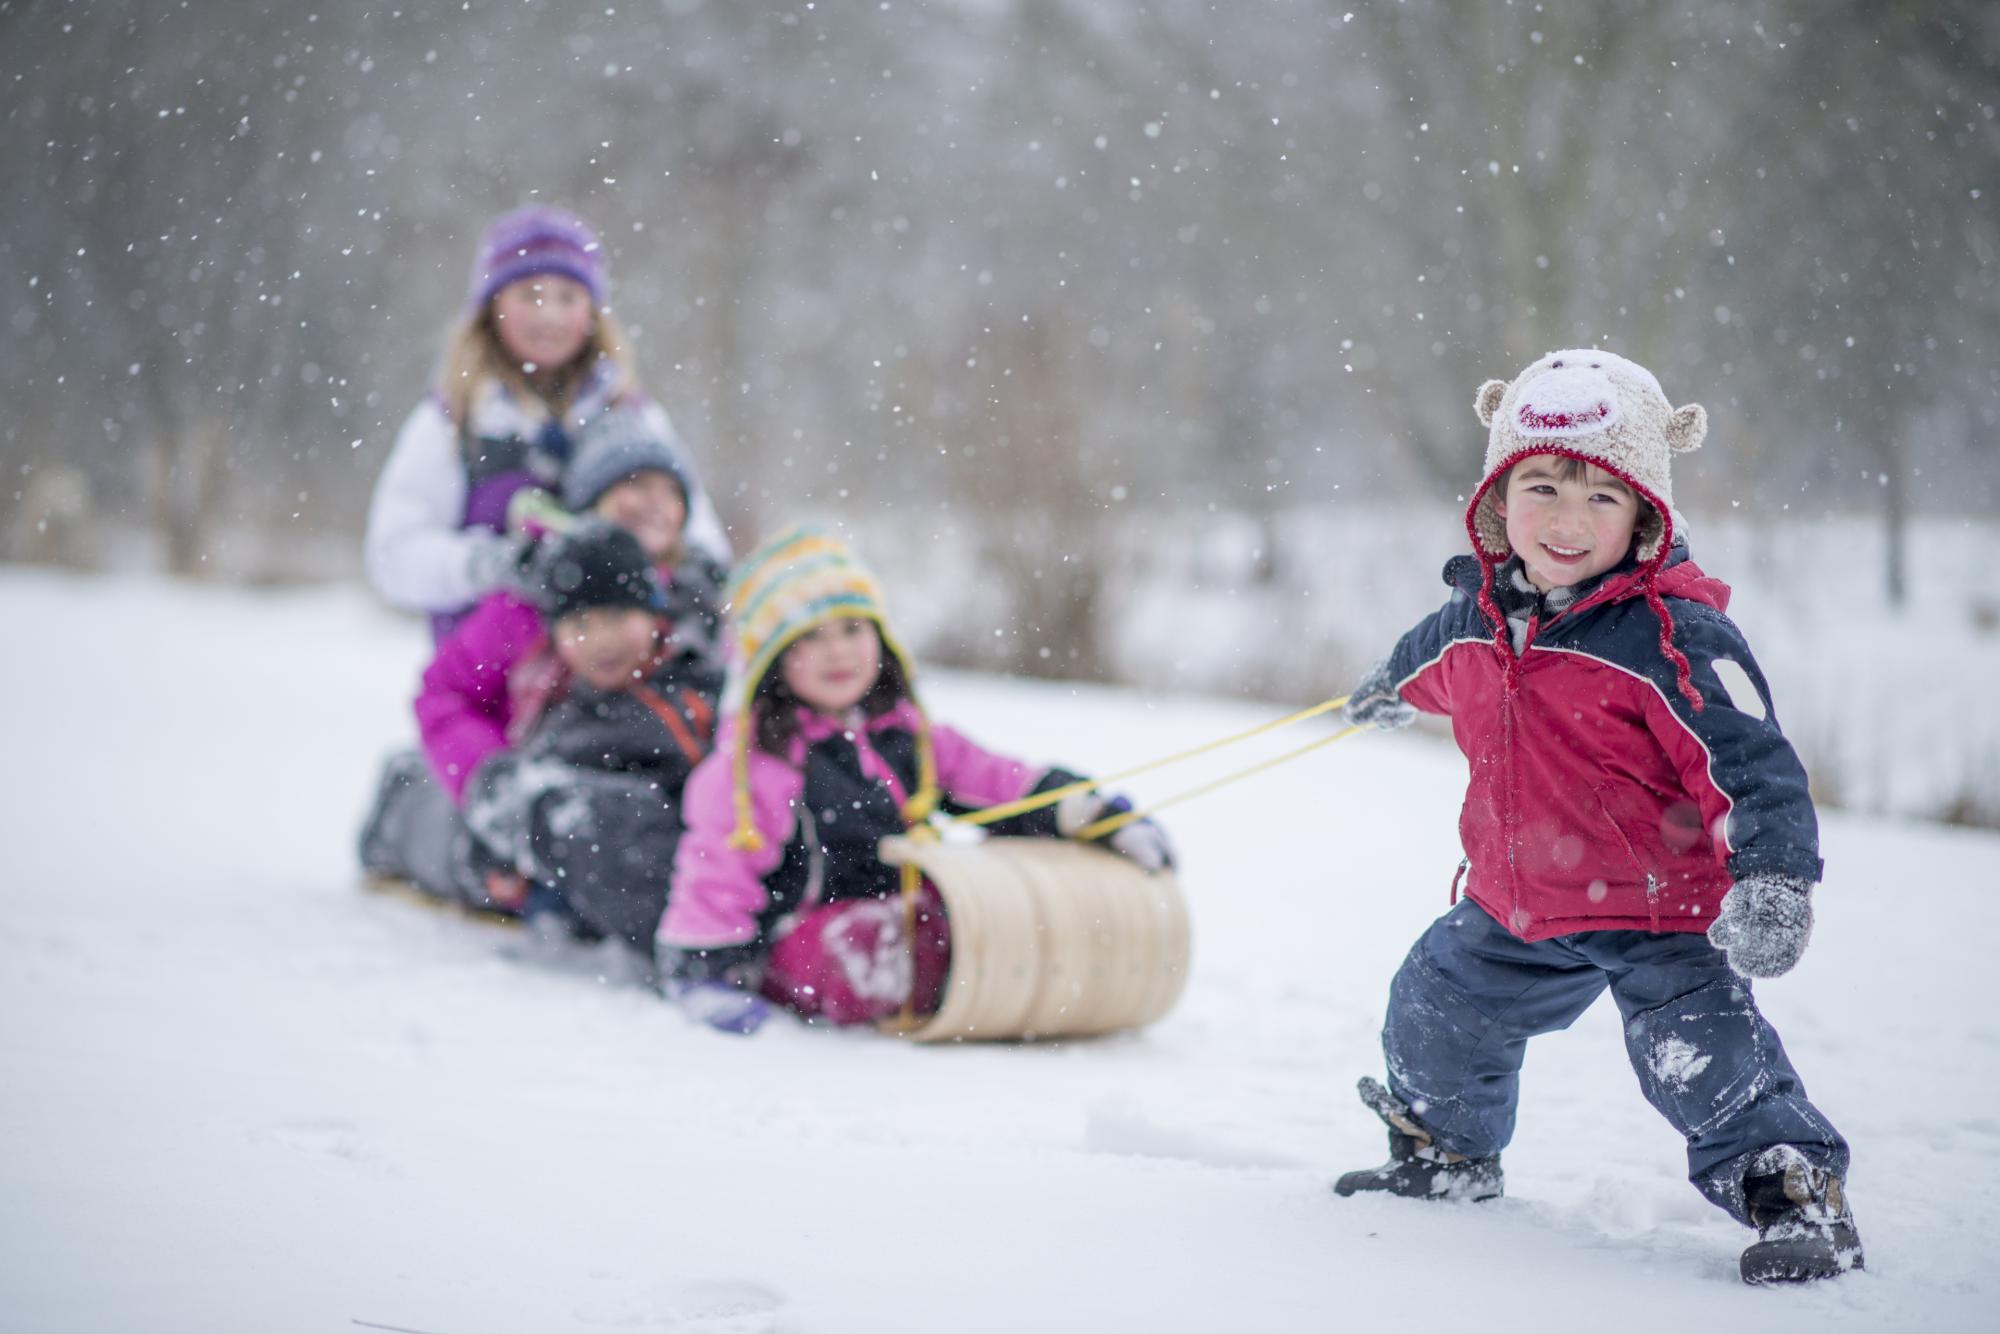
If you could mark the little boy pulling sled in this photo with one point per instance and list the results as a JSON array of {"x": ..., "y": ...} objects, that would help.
[{"x": 1635, "y": 821}]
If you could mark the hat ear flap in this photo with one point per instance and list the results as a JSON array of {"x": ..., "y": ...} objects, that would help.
[
  {"x": 1648, "y": 533},
  {"x": 1687, "y": 428},
  {"x": 1487, "y": 401}
]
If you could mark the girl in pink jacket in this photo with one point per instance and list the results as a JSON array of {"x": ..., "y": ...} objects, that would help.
[{"x": 778, "y": 893}]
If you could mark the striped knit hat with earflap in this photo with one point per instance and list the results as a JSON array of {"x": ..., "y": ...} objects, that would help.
[
  {"x": 1599, "y": 408},
  {"x": 799, "y": 580}
]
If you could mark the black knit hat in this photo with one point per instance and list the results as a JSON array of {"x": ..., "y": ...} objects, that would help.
[{"x": 593, "y": 564}]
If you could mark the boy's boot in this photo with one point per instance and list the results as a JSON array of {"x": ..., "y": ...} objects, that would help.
[
  {"x": 1417, "y": 1167},
  {"x": 1804, "y": 1228}
]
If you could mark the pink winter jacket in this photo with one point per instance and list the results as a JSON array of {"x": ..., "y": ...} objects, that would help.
[
  {"x": 496, "y": 661},
  {"x": 720, "y": 895}
]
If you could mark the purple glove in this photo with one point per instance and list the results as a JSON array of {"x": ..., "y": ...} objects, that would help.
[
  {"x": 1141, "y": 842},
  {"x": 718, "y": 987},
  {"x": 722, "y": 1007},
  {"x": 1764, "y": 924}
]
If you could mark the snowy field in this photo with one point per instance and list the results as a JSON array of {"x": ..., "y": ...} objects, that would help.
[{"x": 242, "y": 1094}]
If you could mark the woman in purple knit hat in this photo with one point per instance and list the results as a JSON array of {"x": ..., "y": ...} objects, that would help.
[{"x": 534, "y": 359}]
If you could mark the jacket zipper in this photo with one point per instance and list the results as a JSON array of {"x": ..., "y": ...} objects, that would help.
[{"x": 1509, "y": 688}]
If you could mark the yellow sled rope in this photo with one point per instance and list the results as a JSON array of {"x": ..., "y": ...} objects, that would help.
[
  {"x": 912, "y": 875},
  {"x": 1112, "y": 823}
]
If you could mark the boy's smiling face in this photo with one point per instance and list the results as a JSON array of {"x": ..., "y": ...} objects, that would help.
[
  {"x": 649, "y": 505},
  {"x": 1569, "y": 521},
  {"x": 607, "y": 646}
]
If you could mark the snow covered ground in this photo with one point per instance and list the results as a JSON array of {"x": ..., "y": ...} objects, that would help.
[{"x": 242, "y": 1094}]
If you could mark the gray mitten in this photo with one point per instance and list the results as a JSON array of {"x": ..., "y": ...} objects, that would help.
[
  {"x": 1376, "y": 703},
  {"x": 1764, "y": 924},
  {"x": 497, "y": 560},
  {"x": 500, "y": 802}
]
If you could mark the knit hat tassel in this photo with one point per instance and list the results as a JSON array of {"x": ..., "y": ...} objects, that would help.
[
  {"x": 922, "y": 803},
  {"x": 1683, "y": 674},
  {"x": 1502, "y": 642},
  {"x": 745, "y": 837}
]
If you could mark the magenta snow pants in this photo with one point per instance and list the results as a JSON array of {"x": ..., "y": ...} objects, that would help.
[{"x": 848, "y": 962}]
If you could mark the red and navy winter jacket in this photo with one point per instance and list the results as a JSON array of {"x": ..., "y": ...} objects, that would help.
[{"x": 1600, "y": 796}]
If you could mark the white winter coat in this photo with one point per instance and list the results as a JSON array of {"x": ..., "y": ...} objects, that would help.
[{"x": 417, "y": 554}]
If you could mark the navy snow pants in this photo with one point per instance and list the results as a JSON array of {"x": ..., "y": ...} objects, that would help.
[
  {"x": 1470, "y": 995},
  {"x": 609, "y": 841}
]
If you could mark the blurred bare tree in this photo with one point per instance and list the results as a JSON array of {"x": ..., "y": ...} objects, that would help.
[{"x": 1034, "y": 259}]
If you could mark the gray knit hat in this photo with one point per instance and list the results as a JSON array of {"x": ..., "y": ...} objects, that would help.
[
  {"x": 616, "y": 444},
  {"x": 1592, "y": 405}
]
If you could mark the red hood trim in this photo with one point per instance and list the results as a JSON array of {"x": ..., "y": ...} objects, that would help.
[
  {"x": 1690, "y": 581},
  {"x": 1682, "y": 579},
  {"x": 1515, "y": 460},
  {"x": 1655, "y": 581}
]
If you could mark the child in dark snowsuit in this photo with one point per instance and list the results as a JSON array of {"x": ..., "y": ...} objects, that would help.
[
  {"x": 585, "y": 806},
  {"x": 1635, "y": 821},
  {"x": 779, "y": 894},
  {"x": 491, "y": 674}
]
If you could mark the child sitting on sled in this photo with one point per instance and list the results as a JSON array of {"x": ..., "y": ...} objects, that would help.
[
  {"x": 779, "y": 895},
  {"x": 583, "y": 804},
  {"x": 495, "y": 674},
  {"x": 501, "y": 658},
  {"x": 1636, "y": 821}
]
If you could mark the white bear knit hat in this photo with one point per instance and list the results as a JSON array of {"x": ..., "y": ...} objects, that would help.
[
  {"x": 1592, "y": 405},
  {"x": 1596, "y": 407}
]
